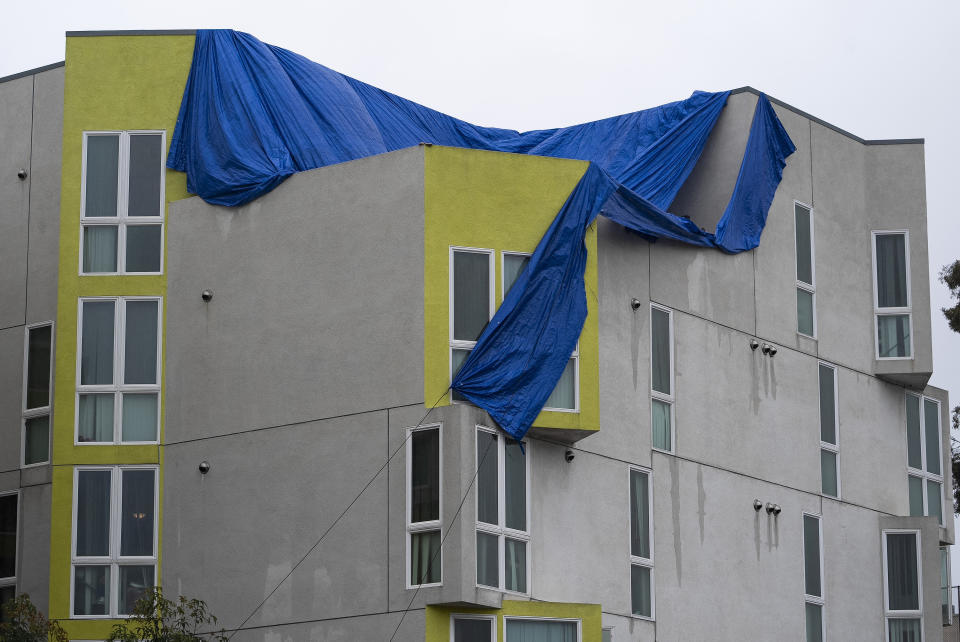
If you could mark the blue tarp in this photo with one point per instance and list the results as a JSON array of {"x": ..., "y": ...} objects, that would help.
[{"x": 253, "y": 114}]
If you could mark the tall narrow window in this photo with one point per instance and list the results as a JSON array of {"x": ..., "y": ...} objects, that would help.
[
  {"x": 118, "y": 383},
  {"x": 641, "y": 544},
  {"x": 503, "y": 531},
  {"x": 115, "y": 535},
  {"x": 423, "y": 507},
  {"x": 924, "y": 470},
  {"x": 565, "y": 394},
  {"x": 122, "y": 205},
  {"x": 471, "y": 302},
  {"x": 806, "y": 289},
  {"x": 946, "y": 612},
  {"x": 891, "y": 259},
  {"x": 813, "y": 577},
  {"x": 9, "y": 514},
  {"x": 661, "y": 377},
  {"x": 36, "y": 394},
  {"x": 829, "y": 442},
  {"x": 902, "y": 582}
]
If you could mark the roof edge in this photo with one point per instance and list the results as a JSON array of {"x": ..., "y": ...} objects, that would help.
[
  {"x": 32, "y": 72},
  {"x": 819, "y": 121},
  {"x": 133, "y": 32}
]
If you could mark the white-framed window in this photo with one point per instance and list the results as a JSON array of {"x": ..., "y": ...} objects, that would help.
[
  {"x": 946, "y": 604},
  {"x": 424, "y": 506},
  {"x": 114, "y": 538},
  {"x": 806, "y": 270},
  {"x": 642, "y": 600},
  {"x": 813, "y": 594},
  {"x": 473, "y": 628},
  {"x": 924, "y": 462},
  {"x": 891, "y": 294},
  {"x": 118, "y": 370},
  {"x": 503, "y": 513},
  {"x": 37, "y": 383},
  {"x": 121, "y": 214},
  {"x": 661, "y": 378},
  {"x": 902, "y": 585},
  {"x": 606, "y": 634},
  {"x": 472, "y": 302},
  {"x": 565, "y": 396},
  {"x": 521, "y": 629},
  {"x": 829, "y": 432},
  {"x": 9, "y": 541}
]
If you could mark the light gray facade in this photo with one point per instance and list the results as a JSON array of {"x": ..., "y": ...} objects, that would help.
[{"x": 31, "y": 105}]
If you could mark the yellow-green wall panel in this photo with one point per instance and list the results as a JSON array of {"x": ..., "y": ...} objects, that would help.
[{"x": 503, "y": 202}]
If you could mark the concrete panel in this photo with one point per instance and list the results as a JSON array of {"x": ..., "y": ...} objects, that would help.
[
  {"x": 34, "y": 571},
  {"x": 45, "y": 196},
  {"x": 317, "y": 309},
  {"x": 16, "y": 99},
  {"x": 379, "y": 626},
  {"x": 231, "y": 536},
  {"x": 11, "y": 396}
]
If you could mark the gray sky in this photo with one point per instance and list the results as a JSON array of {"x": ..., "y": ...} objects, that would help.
[{"x": 876, "y": 69}]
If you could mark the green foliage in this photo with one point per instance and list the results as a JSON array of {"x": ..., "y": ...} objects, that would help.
[
  {"x": 22, "y": 622},
  {"x": 157, "y": 619},
  {"x": 950, "y": 276}
]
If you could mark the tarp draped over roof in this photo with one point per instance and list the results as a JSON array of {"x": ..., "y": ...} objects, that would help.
[{"x": 253, "y": 114}]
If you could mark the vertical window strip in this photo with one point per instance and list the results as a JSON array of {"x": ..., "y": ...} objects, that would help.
[
  {"x": 122, "y": 202},
  {"x": 663, "y": 435},
  {"x": 806, "y": 270},
  {"x": 642, "y": 601},
  {"x": 472, "y": 302},
  {"x": 9, "y": 542},
  {"x": 37, "y": 386},
  {"x": 813, "y": 589},
  {"x": 891, "y": 294},
  {"x": 829, "y": 431},
  {"x": 924, "y": 457},
  {"x": 424, "y": 506},
  {"x": 902, "y": 585}
]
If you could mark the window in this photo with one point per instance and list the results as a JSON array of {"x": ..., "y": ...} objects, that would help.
[
  {"x": 946, "y": 613},
  {"x": 118, "y": 372},
  {"x": 114, "y": 538},
  {"x": 606, "y": 634},
  {"x": 122, "y": 204},
  {"x": 423, "y": 506},
  {"x": 564, "y": 397},
  {"x": 473, "y": 628},
  {"x": 813, "y": 577},
  {"x": 641, "y": 544},
  {"x": 806, "y": 289},
  {"x": 37, "y": 360},
  {"x": 891, "y": 294},
  {"x": 502, "y": 517},
  {"x": 829, "y": 424},
  {"x": 471, "y": 302},
  {"x": 661, "y": 377},
  {"x": 901, "y": 586},
  {"x": 924, "y": 474},
  {"x": 524, "y": 629},
  {"x": 9, "y": 518}
]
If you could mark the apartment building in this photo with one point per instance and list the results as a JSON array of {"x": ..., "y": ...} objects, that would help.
[{"x": 741, "y": 446}]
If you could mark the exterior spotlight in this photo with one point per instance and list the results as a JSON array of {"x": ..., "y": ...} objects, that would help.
[
  {"x": 766, "y": 348},
  {"x": 776, "y": 509},
  {"x": 773, "y": 350},
  {"x": 22, "y": 174},
  {"x": 635, "y": 304},
  {"x": 770, "y": 508},
  {"x": 754, "y": 344},
  {"x": 204, "y": 467},
  {"x": 568, "y": 456},
  {"x": 757, "y": 505},
  {"x": 206, "y": 295}
]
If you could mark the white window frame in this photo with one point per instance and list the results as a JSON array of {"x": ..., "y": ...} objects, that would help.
[
  {"x": 889, "y": 614},
  {"x": 41, "y": 411},
  {"x": 819, "y": 600},
  {"x": 922, "y": 473},
  {"x": 113, "y": 560},
  {"x": 428, "y": 526},
  {"x": 500, "y": 530},
  {"x": 459, "y": 344},
  {"x": 636, "y": 560},
  {"x": 880, "y": 312},
  {"x": 12, "y": 580},
  {"x": 474, "y": 616},
  {"x": 811, "y": 288},
  {"x": 576, "y": 349},
  {"x": 121, "y": 220},
  {"x": 117, "y": 388},
  {"x": 507, "y": 618},
  {"x": 826, "y": 445},
  {"x": 659, "y": 396}
]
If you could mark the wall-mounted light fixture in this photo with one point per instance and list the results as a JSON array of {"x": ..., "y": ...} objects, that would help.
[
  {"x": 204, "y": 467},
  {"x": 754, "y": 344},
  {"x": 635, "y": 304},
  {"x": 22, "y": 174},
  {"x": 568, "y": 456},
  {"x": 206, "y": 295},
  {"x": 757, "y": 505}
]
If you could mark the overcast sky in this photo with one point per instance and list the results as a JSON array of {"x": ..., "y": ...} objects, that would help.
[{"x": 877, "y": 69}]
